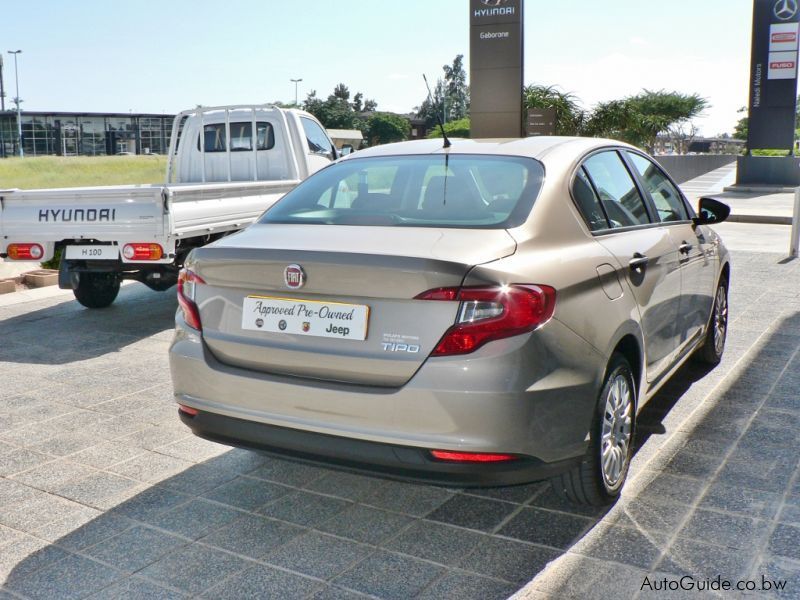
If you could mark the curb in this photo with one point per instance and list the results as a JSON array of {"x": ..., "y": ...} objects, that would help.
[
  {"x": 759, "y": 189},
  {"x": 759, "y": 219}
]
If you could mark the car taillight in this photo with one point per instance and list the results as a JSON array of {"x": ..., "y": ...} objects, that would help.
[
  {"x": 473, "y": 457},
  {"x": 187, "y": 288},
  {"x": 142, "y": 251},
  {"x": 25, "y": 251},
  {"x": 491, "y": 313}
]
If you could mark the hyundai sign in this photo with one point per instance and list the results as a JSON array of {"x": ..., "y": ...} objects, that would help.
[{"x": 495, "y": 68}]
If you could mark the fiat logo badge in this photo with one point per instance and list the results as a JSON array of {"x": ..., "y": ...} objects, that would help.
[{"x": 294, "y": 276}]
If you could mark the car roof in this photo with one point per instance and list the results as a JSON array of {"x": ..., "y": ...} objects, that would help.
[{"x": 534, "y": 147}]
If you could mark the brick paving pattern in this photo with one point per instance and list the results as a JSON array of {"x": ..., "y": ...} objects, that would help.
[{"x": 105, "y": 494}]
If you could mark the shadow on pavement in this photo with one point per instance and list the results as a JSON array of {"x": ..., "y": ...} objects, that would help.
[
  {"x": 68, "y": 332},
  {"x": 719, "y": 497}
]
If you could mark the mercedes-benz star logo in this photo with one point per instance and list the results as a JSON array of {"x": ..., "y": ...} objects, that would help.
[{"x": 785, "y": 9}]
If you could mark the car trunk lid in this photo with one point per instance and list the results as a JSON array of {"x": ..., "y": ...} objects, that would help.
[{"x": 362, "y": 279}]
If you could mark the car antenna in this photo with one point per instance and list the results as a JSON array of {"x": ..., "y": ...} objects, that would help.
[{"x": 447, "y": 143}]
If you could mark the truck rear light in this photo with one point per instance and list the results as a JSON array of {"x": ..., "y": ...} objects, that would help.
[
  {"x": 491, "y": 313},
  {"x": 473, "y": 457},
  {"x": 142, "y": 251},
  {"x": 187, "y": 288},
  {"x": 25, "y": 251}
]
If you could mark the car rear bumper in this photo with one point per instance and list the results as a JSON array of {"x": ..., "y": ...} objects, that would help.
[
  {"x": 404, "y": 462},
  {"x": 485, "y": 403}
]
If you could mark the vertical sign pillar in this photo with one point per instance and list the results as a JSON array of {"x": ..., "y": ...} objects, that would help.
[
  {"x": 773, "y": 74},
  {"x": 496, "y": 68}
]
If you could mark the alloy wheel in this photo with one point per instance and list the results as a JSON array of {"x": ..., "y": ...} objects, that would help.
[
  {"x": 720, "y": 319},
  {"x": 617, "y": 430}
]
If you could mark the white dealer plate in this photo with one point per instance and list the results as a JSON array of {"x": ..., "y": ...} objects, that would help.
[
  {"x": 95, "y": 252},
  {"x": 305, "y": 317}
]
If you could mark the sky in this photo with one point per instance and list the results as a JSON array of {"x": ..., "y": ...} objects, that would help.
[{"x": 170, "y": 55}]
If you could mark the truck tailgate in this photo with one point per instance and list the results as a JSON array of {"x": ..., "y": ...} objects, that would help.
[{"x": 102, "y": 213}]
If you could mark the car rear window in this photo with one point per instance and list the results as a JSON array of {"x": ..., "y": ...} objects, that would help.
[{"x": 458, "y": 191}]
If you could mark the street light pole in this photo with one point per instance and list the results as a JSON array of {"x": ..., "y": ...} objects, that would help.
[
  {"x": 2, "y": 88},
  {"x": 295, "y": 81},
  {"x": 17, "y": 101}
]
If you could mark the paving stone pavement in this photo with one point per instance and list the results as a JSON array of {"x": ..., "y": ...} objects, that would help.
[{"x": 105, "y": 494}]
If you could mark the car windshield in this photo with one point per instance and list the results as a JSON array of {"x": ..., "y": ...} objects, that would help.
[{"x": 459, "y": 191}]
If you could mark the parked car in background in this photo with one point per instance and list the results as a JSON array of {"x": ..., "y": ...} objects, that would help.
[
  {"x": 226, "y": 165},
  {"x": 484, "y": 314}
]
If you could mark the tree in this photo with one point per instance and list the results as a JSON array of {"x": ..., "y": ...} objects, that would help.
[
  {"x": 337, "y": 112},
  {"x": 450, "y": 96},
  {"x": 341, "y": 92},
  {"x": 740, "y": 131},
  {"x": 456, "y": 91},
  {"x": 569, "y": 115},
  {"x": 357, "y": 102},
  {"x": 383, "y": 128},
  {"x": 432, "y": 108},
  {"x": 639, "y": 119},
  {"x": 455, "y": 129}
]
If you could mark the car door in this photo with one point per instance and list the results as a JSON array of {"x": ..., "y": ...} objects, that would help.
[
  {"x": 697, "y": 260},
  {"x": 647, "y": 257}
]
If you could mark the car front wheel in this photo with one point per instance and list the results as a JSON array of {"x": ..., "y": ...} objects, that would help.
[
  {"x": 599, "y": 478},
  {"x": 711, "y": 351}
]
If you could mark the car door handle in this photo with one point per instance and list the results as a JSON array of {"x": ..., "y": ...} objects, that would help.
[
  {"x": 685, "y": 248},
  {"x": 638, "y": 262}
]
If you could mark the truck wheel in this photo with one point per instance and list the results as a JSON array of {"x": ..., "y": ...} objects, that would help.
[{"x": 97, "y": 290}]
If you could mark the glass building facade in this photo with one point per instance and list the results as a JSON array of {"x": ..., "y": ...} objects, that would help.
[{"x": 84, "y": 134}]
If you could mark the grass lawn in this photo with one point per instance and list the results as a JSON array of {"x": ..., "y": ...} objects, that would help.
[{"x": 74, "y": 171}]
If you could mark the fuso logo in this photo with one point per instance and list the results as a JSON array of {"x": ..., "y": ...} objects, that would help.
[
  {"x": 293, "y": 276},
  {"x": 778, "y": 38},
  {"x": 782, "y": 65}
]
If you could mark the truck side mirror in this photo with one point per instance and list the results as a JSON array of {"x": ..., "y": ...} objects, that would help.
[
  {"x": 711, "y": 211},
  {"x": 346, "y": 149}
]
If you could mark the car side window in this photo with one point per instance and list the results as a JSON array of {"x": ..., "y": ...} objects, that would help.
[
  {"x": 588, "y": 202},
  {"x": 619, "y": 196},
  {"x": 665, "y": 195},
  {"x": 318, "y": 142}
]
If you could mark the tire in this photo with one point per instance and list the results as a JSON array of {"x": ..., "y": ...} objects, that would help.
[
  {"x": 711, "y": 351},
  {"x": 614, "y": 421},
  {"x": 97, "y": 290}
]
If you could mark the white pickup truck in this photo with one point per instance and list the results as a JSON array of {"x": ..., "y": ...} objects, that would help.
[{"x": 220, "y": 178}]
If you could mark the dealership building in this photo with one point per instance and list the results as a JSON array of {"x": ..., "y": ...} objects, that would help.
[{"x": 84, "y": 134}]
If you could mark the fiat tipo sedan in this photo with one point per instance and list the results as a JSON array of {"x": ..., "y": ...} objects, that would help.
[{"x": 488, "y": 313}]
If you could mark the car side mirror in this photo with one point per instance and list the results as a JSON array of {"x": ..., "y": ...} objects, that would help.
[
  {"x": 346, "y": 149},
  {"x": 711, "y": 212}
]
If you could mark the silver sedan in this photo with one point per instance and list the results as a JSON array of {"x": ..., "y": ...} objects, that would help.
[{"x": 490, "y": 313}]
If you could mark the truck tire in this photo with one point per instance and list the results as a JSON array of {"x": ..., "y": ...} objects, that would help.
[{"x": 97, "y": 290}]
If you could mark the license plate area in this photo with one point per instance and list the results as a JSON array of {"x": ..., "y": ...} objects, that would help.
[
  {"x": 92, "y": 252},
  {"x": 305, "y": 317}
]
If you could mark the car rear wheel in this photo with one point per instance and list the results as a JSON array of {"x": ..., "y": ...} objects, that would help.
[
  {"x": 599, "y": 478},
  {"x": 711, "y": 351},
  {"x": 97, "y": 290}
]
